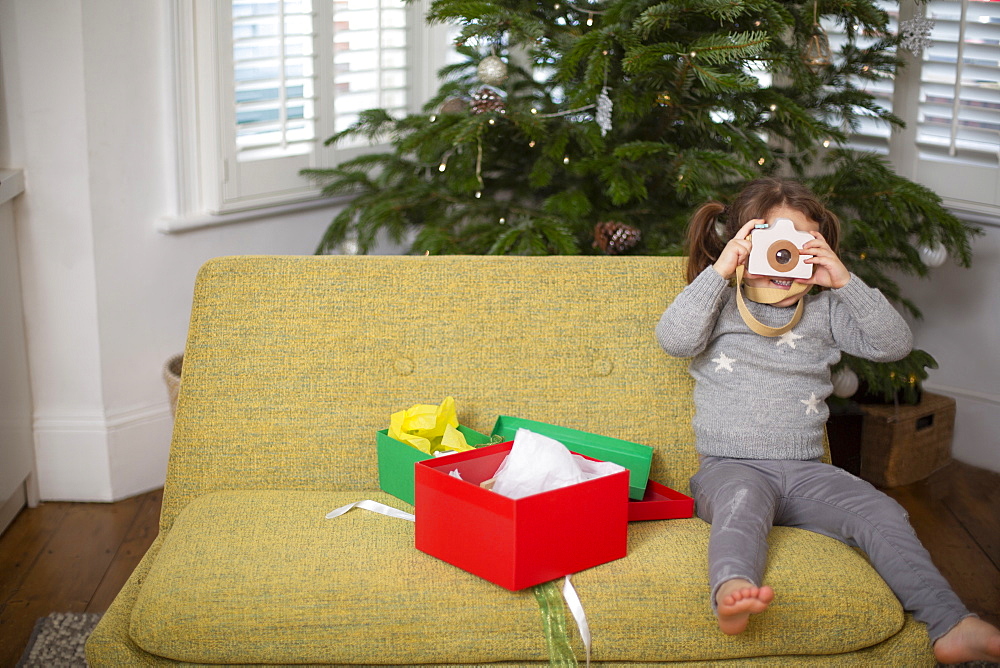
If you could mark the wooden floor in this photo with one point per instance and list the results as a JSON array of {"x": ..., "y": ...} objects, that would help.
[
  {"x": 74, "y": 557},
  {"x": 68, "y": 557}
]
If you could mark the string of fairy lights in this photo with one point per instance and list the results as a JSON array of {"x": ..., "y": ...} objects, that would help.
[{"x": 493, "y": 72}]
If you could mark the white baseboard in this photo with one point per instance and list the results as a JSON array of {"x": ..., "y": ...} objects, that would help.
[
  {"x": 102, "y": 457},
  {"x": 140, "y": 445},
  {"x": 71, "y": 458},
  {"x": 10, "y": 507}
]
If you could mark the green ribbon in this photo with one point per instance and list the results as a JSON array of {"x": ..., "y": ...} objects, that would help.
[
  {"x": 553, "y": 611},
  {"x": 494, "y": 439}
]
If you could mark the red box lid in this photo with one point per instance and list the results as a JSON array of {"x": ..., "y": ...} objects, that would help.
[
  {"x": 516, "y": 543},
  {"x": 660, "y": 503}
]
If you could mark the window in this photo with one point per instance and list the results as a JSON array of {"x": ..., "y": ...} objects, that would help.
[
  {"x": 959, "y": 107},
  {"x": 949, "y": 97},
  {"x": 274, "y": 79},
  {"x": 261, "y": 84}
]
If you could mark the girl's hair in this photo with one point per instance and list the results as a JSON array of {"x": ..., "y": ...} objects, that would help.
[{"x": 704, "y": 242}]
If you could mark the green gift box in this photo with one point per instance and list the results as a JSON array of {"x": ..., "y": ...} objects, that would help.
[
  {"x": 633, "y": 456},
  {"x": 396, "y": 460}
]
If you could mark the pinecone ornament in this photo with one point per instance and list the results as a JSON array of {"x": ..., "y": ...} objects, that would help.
[
  {"x": 615, "y": 238},
  {"x": 485, "y": 100}
]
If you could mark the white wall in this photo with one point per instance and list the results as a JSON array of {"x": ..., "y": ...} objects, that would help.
[
  {"x": 86, "y": 94},
  {"x": 961, "y": 330},
  {"x": 85, "y": 112}
]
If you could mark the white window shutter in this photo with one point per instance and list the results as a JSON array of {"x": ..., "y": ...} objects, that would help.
[
  {"x": 949, "y": 97},
  {"x": 268, "y": 58},
  {"x": 261, "y": 84},
  {"x": 274, "y": 78},
  {"x": 870, "y": 134},
  {"x": 959, "y": 113},
  {"x": 370, "y": 43}
]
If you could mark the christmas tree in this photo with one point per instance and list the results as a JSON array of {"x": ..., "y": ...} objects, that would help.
[{"x": 597, "y": 127}]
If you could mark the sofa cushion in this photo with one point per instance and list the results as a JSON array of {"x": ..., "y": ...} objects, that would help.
[{"x": 256, "y": 577}]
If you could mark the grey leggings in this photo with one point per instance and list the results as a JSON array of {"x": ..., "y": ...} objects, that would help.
[{"x": 744, "y": 498}]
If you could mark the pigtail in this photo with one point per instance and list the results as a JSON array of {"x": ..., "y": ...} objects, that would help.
[
  {"x": 703, "y": 244},
  {"x": 830, "y": 229}
]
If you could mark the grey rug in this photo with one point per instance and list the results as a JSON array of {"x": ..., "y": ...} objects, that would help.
[{"x": 58, "y": 640}]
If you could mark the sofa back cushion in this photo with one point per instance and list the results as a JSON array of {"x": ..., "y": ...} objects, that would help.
[{"x": 294, "y": 363}]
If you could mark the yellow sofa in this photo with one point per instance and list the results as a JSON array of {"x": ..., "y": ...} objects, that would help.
[{"x": 293, "y": 364}]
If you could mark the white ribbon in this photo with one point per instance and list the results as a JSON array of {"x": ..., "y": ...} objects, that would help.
[
  {"x": 576, "y": 609},
  {"x": 373, "y": 506},
  {"x": 568, "y": 591}
]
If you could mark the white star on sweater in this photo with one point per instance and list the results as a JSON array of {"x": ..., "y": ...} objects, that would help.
[
  {"x": 724, "y": 362},
  {"x": 789, "y": 338},
  {"x": 811, "y": 403}
]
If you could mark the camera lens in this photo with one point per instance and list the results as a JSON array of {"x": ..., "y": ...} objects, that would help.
[{"x": 782, "y": 256}]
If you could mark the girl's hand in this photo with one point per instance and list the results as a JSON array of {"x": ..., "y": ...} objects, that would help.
[
  {"x": 828, "y": 270},
  {"x": 736, "y": 251}
]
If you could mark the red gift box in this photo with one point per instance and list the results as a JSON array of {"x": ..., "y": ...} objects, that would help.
[
  {"x": 660, "y": 503},
  {"x": 517, "y": 543}
]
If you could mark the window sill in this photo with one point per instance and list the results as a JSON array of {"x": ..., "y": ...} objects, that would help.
[
  {"x": 979, "y": 214},
  {"x": 13, "y": 181},
  {"x": 198, "y": 221}
]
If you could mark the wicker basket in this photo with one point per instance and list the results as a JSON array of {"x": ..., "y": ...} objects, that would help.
[
  {"x": 172, "y": 376},
  {"x": 904, "y": 444}
]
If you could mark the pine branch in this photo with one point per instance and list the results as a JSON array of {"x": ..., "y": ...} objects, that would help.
[
  {"x": 684, "y": 128},
  {"x": 537, "y": 236},
  {"x": 895, "y": 381}
]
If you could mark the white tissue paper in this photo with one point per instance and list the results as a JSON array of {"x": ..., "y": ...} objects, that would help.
[{"x": 537, "y": 463}]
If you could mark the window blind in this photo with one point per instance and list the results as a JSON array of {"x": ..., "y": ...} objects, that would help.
[
  {"x": 949, "y": 97},
  {"x": 273, "y": 78},
  {"x": 261, "y": 84},
  {"x": 369, "y": 59},
  {"x": 869, "y": 134},
  {"x": 959, "y": 110},
  {"x": 278, "y": 48}
]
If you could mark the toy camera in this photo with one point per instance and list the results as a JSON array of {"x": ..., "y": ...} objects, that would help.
[{"x": 777, "y": 251}]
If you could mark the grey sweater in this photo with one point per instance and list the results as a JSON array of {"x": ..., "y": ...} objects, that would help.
[{"x": 764, "y": 398}]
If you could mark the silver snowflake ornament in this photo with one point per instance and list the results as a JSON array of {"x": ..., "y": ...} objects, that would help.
[{"x": 915, "y": 34}]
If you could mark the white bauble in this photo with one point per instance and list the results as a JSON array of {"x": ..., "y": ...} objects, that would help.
[
  {"x": 492, "y": 71},
  {"x": 845, "y": 383},
  {"x": 933, "y": 256}
]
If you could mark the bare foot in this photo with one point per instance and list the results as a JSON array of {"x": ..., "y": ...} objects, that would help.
[
  {"x": 971, "y": 639},
  {"x": 737, "y": 600}
]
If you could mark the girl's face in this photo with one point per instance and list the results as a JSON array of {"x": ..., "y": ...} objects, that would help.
[{"x": 803, "y": 224}]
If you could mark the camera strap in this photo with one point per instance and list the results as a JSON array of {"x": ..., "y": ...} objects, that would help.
[{"x": 767, "y": 296}]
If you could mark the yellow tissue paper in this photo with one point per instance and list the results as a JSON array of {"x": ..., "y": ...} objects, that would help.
[{"x": 429, "y": 428}]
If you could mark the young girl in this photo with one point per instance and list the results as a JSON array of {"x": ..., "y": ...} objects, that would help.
[{"x": 762, "y": 372}]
